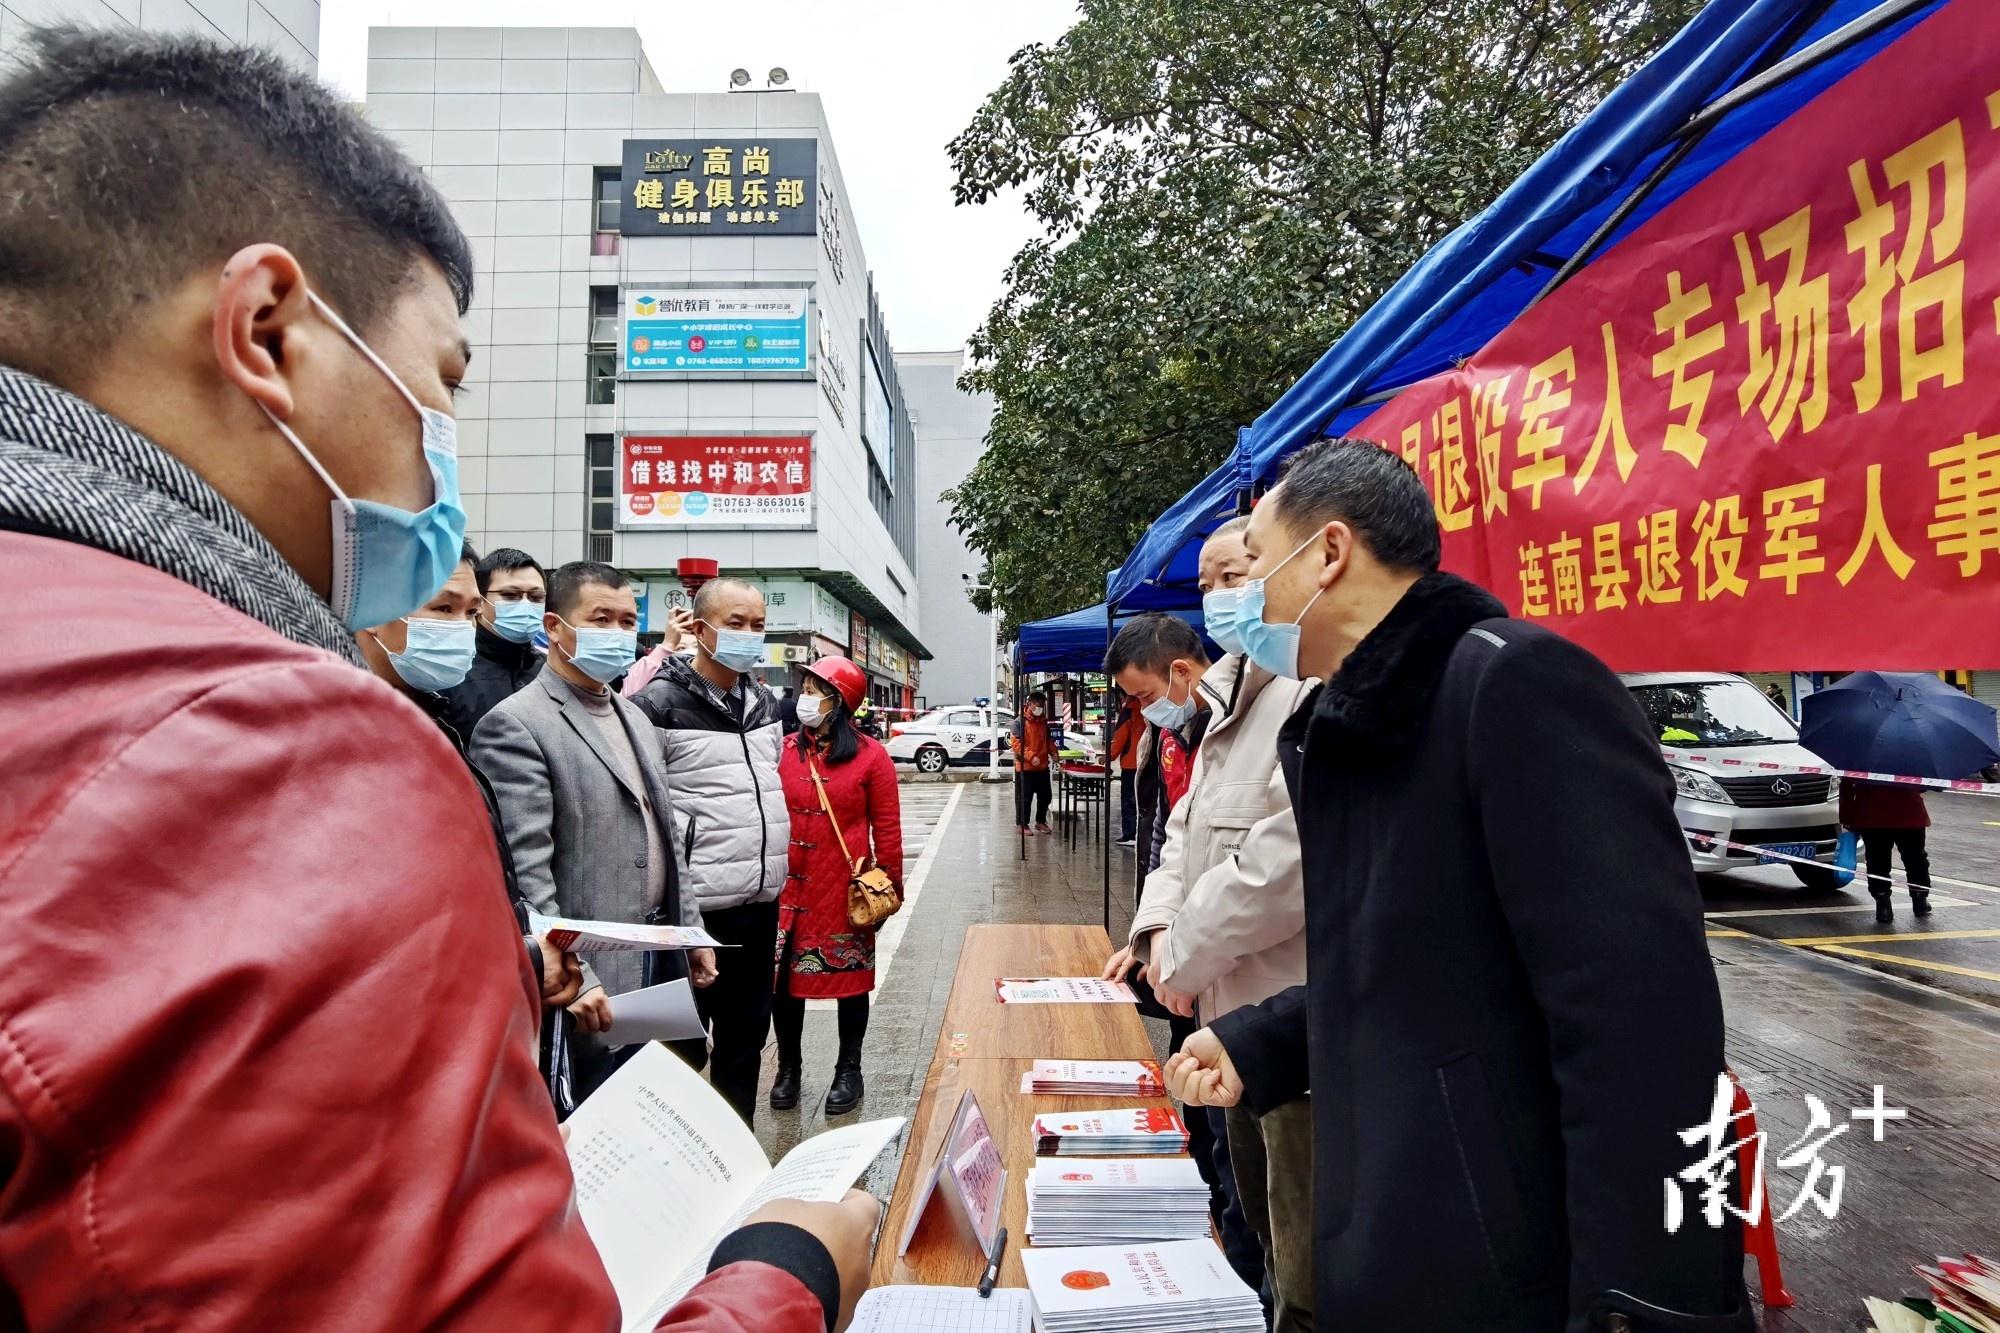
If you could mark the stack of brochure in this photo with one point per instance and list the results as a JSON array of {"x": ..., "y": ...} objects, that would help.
[
  {"x": 1116, "y": 1202},
  {"x": 1095, "y": 1078},
  {"x": 1145, "y": 1131},
  {"x": 1182, "y": 1286}
]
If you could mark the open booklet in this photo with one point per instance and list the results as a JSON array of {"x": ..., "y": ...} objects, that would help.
[{"x": 665, "y": 1169}]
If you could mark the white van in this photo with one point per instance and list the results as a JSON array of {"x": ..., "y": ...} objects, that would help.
[{"x": 1772, "y": 807}]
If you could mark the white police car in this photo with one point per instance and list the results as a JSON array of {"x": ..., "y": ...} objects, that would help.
[{"x": 959, "y": 734}]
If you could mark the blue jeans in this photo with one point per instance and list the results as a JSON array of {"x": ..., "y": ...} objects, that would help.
[{"x": 1128, "y": 807}]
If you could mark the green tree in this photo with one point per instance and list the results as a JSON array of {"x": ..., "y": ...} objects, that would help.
[{"x": 1224, "y": 186}]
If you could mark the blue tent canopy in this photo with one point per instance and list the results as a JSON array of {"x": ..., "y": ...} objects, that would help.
[
  {"x": 1076, "y": 641},
  {"x": 1480, "y": 278}
]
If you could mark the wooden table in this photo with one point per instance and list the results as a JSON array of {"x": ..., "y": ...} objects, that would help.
[{"x": 986, "y": 1046}]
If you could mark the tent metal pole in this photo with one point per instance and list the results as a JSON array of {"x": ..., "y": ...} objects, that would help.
[
  {"x": 1110, "y": 712},
  {"x": 1691, "y": 134}
]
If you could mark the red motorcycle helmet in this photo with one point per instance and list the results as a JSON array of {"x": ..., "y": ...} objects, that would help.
[{"x": 845, "y": 677}]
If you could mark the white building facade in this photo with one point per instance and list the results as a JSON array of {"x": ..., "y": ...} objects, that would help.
[
  {"x": 677, "y": 351},
  {"x": 950, "y": 426},
  {"x": 288, "y": 27}
]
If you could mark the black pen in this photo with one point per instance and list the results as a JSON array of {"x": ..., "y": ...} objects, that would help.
[{"x": 993, "y": 1266}]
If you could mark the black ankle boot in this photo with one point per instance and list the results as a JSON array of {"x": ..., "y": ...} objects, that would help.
[
  {"x": 785, "y": 1088},
  {"x": 845, "y": 1094},
  {"x": 1883, "y": 912},
  {"x": 1920, "y": 903}
]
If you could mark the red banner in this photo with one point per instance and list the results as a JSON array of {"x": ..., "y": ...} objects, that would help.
[
  {"x": 1763, "y": 431},
  {"x": 715, "y": 481}
]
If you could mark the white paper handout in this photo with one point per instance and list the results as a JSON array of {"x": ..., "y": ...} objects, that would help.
[
  {"x": 655, "y": 1013},
  {"x": 1174, "y": 1285},
  {"x": 665, "y": 1169},
  {"x": 1062, "y": 990},
  {"x": 618, "y": 936},
  {"x": 943, "y": 1310}
]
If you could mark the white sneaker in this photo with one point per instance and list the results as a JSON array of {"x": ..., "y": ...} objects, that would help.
[{"x": 1128, "y": 842}]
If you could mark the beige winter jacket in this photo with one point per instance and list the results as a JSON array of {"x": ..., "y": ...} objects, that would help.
[{"x": 1229, "y": 897}]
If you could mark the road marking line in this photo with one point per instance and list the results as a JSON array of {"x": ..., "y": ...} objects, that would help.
[
  {"x": 1937, "y": 900},
  {"x": 1729, "y": 934},
  {"x": 1870, "y": 973},
  {"x": 1901, "y": 961},
  {"x": 891, "y": 934},
  {"x": 1818, "y": 940}
]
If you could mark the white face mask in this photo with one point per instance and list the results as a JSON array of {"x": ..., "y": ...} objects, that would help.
[{"x": 812, "y": 710}]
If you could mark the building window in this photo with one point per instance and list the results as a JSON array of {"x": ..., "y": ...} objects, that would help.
[
  {"x": 604, "y": 213},
  {"x": 603, "y": 317},
  {"x": 601, "y": 504},
  {"x": 601, "y": 383},
  {"x": 608, "y": 199}
]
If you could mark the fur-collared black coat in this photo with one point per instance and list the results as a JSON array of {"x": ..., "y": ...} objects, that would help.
[{"x": 1510, "y": 1012}]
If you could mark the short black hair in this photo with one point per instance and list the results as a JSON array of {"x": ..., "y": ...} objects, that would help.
[
  {"x": 1153, "y": 642},
  {"x": 1370, "y": 489},
  {"x": 567, "y": 585},
  {"x": 504, "y": 560},
  {"x": 131, "y": 160},
  {"x": 704, "y": 598},
  {"x": 469, "y": 555}
]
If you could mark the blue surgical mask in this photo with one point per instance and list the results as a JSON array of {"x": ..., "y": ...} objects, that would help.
[
  {"x": 604, "y": 654},
  {"x": 387, "y": 562},
  {"x": 1273, "y": 647},
  {"x": 517, "y": 622},
  {"x": 436, "y": 653},
  {"x": 738, "y": 649},
  {"x": 1219, "y": 611},
  {"x": 1164, "y": 712}
]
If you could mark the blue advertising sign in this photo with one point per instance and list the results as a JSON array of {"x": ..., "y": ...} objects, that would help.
[{"x": 747, "y": 330}]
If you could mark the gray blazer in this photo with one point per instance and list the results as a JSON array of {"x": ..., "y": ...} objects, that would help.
[{"x": 576, "y": 830}]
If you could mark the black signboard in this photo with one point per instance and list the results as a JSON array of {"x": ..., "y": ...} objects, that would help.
[{"x": 719, "y": 187}]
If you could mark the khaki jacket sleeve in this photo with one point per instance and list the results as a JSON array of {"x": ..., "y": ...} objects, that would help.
[
  {"x": 1166, "y": 886},
  {"x": 1248, "y": 902}
]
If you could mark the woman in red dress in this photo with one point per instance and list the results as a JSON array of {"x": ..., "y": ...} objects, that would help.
[{"x": 821, "y": 955}]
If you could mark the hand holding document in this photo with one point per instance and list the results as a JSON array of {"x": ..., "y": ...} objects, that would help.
[
  {"x": 617, "y": 936},
  {"x": 665, "y": 1169}
]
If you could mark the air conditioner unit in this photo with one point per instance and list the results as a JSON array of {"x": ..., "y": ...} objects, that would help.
[{"x": 798, "y": 654}]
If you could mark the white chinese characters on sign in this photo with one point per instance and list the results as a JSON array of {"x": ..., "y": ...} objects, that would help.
[{"x": 667, "y": 481}]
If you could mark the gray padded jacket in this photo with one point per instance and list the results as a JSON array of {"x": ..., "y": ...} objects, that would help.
[{"x": 731, "y": 826}]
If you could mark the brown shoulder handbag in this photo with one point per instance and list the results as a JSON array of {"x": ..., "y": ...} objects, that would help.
[{"x": 871, "y": 895}]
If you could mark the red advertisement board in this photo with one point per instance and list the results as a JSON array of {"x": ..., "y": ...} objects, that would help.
[
  {"x": 715, "y": 481},
  {"x": 1765, "y": 428}
]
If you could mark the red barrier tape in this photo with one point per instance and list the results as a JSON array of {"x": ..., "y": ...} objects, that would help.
[{"x": 1938, "y": 784}]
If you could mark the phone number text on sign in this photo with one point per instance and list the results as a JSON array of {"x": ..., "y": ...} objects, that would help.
[{"x": 669, "y": 481}]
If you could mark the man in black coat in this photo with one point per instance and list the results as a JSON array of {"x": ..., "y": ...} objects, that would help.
[
  {"x": 1510, "y": 1012},
  {"x": 512, "y": 588}
]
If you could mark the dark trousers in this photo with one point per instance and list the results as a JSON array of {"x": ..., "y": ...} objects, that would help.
[
  {"x": 592, "y": 1063},
  {"x": 788, "y": 1023},
  {"x": 737, "y": 1007},
  {"x": 1909, "y": 843},
  {"x": 1208, "y": 1144},
  {"x": 1030, "y": 788},
  {"x": 1128, "y": 807}
]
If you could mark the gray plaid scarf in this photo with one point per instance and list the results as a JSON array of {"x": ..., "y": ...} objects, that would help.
[{"x": 71, "y": 471}]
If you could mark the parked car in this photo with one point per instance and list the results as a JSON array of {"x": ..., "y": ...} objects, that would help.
[
  {"x": 960, "y": 734},
  {"x": 1773, "y": 806}
]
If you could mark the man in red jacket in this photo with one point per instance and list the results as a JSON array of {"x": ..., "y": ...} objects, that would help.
[{"x": 267, "y": 1031}]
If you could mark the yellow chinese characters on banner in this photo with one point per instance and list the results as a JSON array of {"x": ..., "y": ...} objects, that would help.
[{"x": 1764, "y": 429}]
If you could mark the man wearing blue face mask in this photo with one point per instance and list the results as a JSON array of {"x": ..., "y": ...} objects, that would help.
[
  {"x": 720, "y": 732},
  {"x": 269, "y": 1023},
  {"x": 583, "y": 795},
  {"x": 1509, "y": 1015},
  {"x": 513, "y": 589}
]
